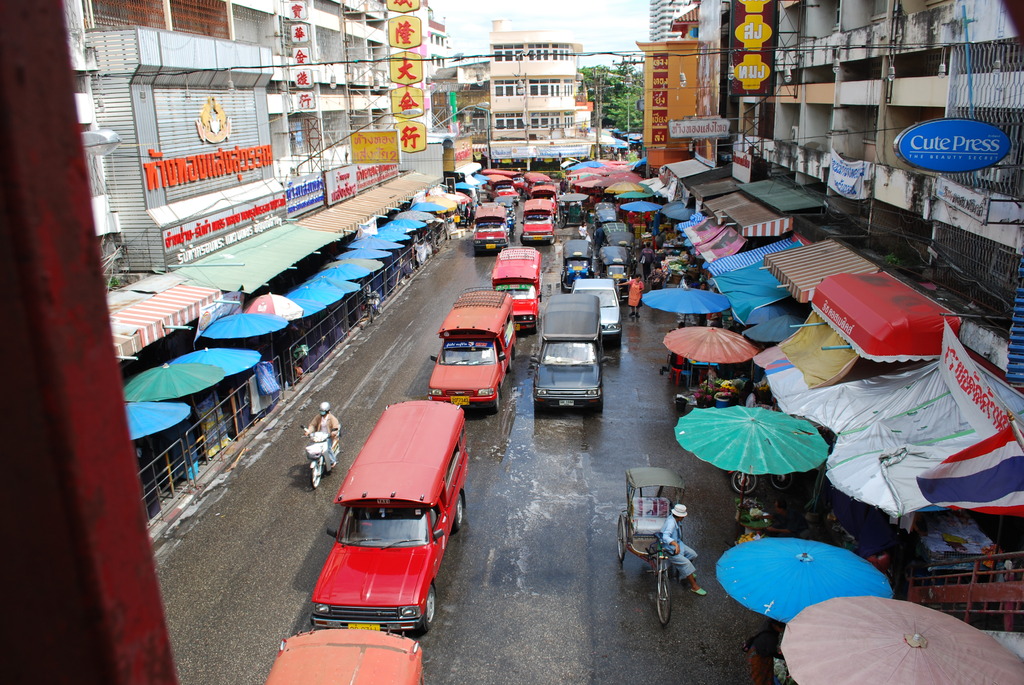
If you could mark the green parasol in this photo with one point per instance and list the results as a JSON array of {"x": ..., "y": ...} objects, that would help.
[
  {"x": 751, "y": 440},
  {"x": 171, "y": 381}
]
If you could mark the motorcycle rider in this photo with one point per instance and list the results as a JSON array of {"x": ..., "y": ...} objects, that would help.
[{"x": 326, "y": 422}]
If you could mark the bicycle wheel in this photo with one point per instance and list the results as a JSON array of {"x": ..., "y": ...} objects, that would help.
[
  {"x": 664, "y": 598},
  {"x": 781, "y": 482},
  {"x": 315, "y": 472},
  {"x": 620, "y": 542},
  {"x": 743, "y": 483}
]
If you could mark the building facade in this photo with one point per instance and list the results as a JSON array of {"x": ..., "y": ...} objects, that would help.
[{"x": 663, "y": 12}]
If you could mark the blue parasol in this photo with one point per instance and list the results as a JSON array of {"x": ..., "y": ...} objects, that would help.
[
  {"x": 776, "y": 309},
  {"x": 427, "y": 207},
  {"x": 464, "y": 186},
  {"x": 677, "y": 211},
  {"x": 586, "y": 165},
  {"x": 309, "y": 307},
  {"x": 371, "y": 264},
  {"x": 331, "y": 280},
  {"x": 481, "y": 178},
  {"x": 348, "y": 272},
  {"x": 640, "y": 206},
  {"x": 686, "y": 301},
  {"x": 638, "y": 163},
  {"x": 372, "y": 243},
  {"x": 228, "y": 358},
  {"x": 146, "y": 418},
  {"x": 244, "y": 326},
  {"x": 364, "y": 253},
  {"x": 775, "y": 330},
  {"x": 405, "y": 225},
  {"x": 393, "y": 235},
  {"x": 779, "y": 577},
  {"x": 320, "y": 292}
]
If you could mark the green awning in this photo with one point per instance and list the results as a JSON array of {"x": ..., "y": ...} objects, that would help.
[
  {"x": 782, "y": 196},
  {"x": 252, "y": 263}
]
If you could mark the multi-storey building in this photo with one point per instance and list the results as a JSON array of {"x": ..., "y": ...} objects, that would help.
[
  {"x": 662, "y": 14},
  {"x": 850, "y": 77}
]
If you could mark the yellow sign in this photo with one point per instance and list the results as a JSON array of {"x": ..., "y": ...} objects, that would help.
[
  {"x": 375, "y": 147},
  {"x": 405, "y": 32},
  {"x": 413, "y": 136},
  {"x": 406, "y": 68},
  {"x": 405, "y": 100},
  {"x": 751, "y": 71},
  {"x": 753, "y": 32},
  {"x": 403, "y": 5}
]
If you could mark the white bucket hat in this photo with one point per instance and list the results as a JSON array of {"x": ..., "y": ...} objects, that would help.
[{"x": 679, "y": 510}]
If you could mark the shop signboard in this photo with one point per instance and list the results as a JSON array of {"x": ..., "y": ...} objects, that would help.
[
  {"x": 973, "y": 395},
  {"x": 304, "y": 193},
  {"x": 964, "y": 200},
  {"x": 190, "y": 241},
  {"x": 741, "y": 166},
  {"x": 659, "y": 99},
  {"x": 340, "y": 184},
  {"x": 370, "y": 175},
  {"x": 405, "y": 31},
  {"x": 403, "y": 6},
  {"x": 407, "y": 102},
  {"x": 846, "y": 177},
  {"x": 412, "y": 136},
  {"x": 952, "y": 145},
  {"x": 698, "y": 127},
  {"x": 375, "y": 147},
  {"x": 753, "y": 47}
]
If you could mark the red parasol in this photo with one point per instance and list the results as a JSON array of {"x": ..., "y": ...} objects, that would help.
[{"x": 707, "y": 344}]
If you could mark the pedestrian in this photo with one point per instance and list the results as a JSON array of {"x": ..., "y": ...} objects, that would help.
[
  {"x": 598, "y": 237},
  {"x": 647, "y": 256},
  {"x": 788, "y": 523},
  {"x": 636, "y": 292},
  {"x": 657, "y": 278},
  {"x": 682, "y": 556},
  {"x": 762, "y": 649}
]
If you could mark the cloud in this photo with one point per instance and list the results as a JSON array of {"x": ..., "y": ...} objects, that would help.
[{"x": 603, "y": 26}]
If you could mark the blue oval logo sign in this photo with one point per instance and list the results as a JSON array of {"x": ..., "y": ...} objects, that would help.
[{"x": 952, "y": 145}]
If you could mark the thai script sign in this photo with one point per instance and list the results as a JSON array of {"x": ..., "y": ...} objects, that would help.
[
  {"x": 167, "y": 173},
  {"x": 952, "y": 145},
  {"x": 375, "y": 147},
  {"x": 753, "y": 44},
  {"x": 846, "y": 177},
  {"x": 374, "y": 174},
  {"x": 180, "y": 240},
  {"x": 659, "y": 98},
  {"x": 974, "y": 397},
  {"x": 698, "y": 128},
  {"x": 304, "y": 193},
  {"x": 340, "y": 184},
  {"x": 971, "y": 203}
]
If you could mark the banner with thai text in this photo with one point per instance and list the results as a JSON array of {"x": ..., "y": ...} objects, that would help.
[
  {"x": 974, "y": 397},
  {"x": 846, "y": 177}
]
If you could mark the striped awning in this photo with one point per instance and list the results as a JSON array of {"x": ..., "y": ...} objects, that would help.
[
  {"x": 176, "y": 306},
  {"x": 344, "y": 218},
  {"x": 801, "y": 269},
  {"x": 752, "y": 218},
  {"x": 744, "y": 259}
]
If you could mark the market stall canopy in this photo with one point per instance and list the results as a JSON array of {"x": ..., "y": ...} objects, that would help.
[
  {"x": 780, "y": 308},
  {"x": 819, "y": 353},
  {"x": 230, "y": 359},
  {"x": 348, "y": 272},
  {"x": 171, "y": 381},
  {"x": 321, "y": 292},
  {"x": 803, "y": 268},
  {"x": 706, "y": 191},
  {"x": 686, "y": 301},
  {"x": 328, "y": 278},
  {"x": 689, "y": 167},
  {"x": 677, "y": 211},
  {"x": 369, "y": 264},
  {"x": 752, "y": 218},
  {"x": 709, "y": 344},
  {"x": 250, "y": 264},
  {"x": 372, "y": 243},
  {"x": 276, "y": 304},
  {"x": 146, "y": 418},
  {"x": 636, "y": 195},
  {"x": 244, "y": 326},
  {"x": 896, "y": 642},
  {"x": 147, "y": 314},
  {"x": 573, "y": 197},
  {"x": 780, "y": 577},
  {"x": 751, "y": 440},
  {"x": 883, "y": 319},
  {"x": 640, "y": 206},
  {"x": 774, "y": 330},
  {"x": 363, "y": 253},
  {"x": 727, "y": 243},
  {"x": 345, "y": 217},
  {"x": 750, "y": 257},
  {"x": 655, "y": 186},
  {"x": 416, "y": 216},
  {"x": 783, "y": 196},
  {"x": 749, "y": 288}
]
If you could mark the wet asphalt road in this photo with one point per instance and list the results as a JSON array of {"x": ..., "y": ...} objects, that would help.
[{"x": 531, "y": 589}]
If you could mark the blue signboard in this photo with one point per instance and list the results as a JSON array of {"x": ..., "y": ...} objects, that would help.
[{"x": 952, "y": 145}]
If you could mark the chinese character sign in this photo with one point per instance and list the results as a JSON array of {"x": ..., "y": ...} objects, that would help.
[
  {"x": 304, "y": 102},
  {"x": 658, "y": 118},
  {"x": 753, "y": 44},
  {"x": 406, "y": 68},
  {"x": 296, "y": 11},
  {"x": 299, "y": 32},
  {"x": 303, "y": 78},
  {"x": 405, "y": 32},
  {"x": 412, "y": 136},
  {"x": 375, "y": 147},
  {"x": 403, "y": 6},
  {"x": 301, "y": 56},
  {"x": 407, "y": 102}
]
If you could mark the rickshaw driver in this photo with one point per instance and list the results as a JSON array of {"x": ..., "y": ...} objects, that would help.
[{"x": 683, "y": 556}]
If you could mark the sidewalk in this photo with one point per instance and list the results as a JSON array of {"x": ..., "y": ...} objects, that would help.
[{"x": 189, "y": 502}]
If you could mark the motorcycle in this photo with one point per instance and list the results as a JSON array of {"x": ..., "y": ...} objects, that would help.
[
  {"x": 318, "y": 453},
  {"x": 745, "y": 483}
]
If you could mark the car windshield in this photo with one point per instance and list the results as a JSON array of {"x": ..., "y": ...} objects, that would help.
[
  {"x": 568, "y": 353},
  {"x": 519, "y": 292},
  {"x": 537, "y": 219},
  {"x": 605, "y": 297},
  {"x": 385, "y": 526},
  {"x": 467, "y": 353}
]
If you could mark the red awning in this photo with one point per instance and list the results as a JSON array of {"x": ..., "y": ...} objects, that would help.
[
  {"x": 176, "y": 306},
  {"x": 882, "y": 318}
]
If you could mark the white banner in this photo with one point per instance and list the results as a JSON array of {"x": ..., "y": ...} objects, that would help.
[
  {"x": 698, "y": 128},
  {"x": 847, "y": 177},
  {"x": 341, "y": 183},
  {"x": 974, "y": 397}
]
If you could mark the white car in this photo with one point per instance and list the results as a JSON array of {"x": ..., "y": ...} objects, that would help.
[{"x": 607, "y": 293}]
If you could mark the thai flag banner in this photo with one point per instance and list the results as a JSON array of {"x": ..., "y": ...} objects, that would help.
[
  {"x": 974, "y": 396},
  {"x": 986, "y": 477}
]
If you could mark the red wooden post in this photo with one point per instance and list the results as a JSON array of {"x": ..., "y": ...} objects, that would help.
[{"x": 81, "y": 600}]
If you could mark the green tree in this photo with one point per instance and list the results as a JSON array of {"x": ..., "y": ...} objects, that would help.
[{"x": 618, "y": 88}]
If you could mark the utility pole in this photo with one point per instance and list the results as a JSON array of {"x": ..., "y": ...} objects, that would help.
[{"x": 598, "y": 87}]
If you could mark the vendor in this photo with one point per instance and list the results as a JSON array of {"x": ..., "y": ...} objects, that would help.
[{"x": 787, "y": 522}]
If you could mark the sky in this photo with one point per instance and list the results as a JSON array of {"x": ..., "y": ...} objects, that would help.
[{"x": 600, "y": 25}]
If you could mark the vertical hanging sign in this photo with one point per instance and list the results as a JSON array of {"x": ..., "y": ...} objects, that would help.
[
  {"x": 753, "y": 46},
  {"x": 296, "y": 17},
  {"x": 659, "y": 99},
  {"x": 405, "y": 32}
]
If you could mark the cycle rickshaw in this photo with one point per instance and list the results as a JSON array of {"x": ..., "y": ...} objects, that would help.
[{"x": 650, "y": 493}]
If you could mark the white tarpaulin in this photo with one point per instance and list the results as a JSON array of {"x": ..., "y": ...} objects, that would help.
[{"x": 889, "y": 429}]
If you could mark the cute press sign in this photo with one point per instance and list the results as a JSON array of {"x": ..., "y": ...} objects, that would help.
[{"x": 952, "y": 145}]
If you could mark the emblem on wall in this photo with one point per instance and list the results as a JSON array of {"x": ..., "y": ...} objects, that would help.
[{"x": 213, "y": 123}]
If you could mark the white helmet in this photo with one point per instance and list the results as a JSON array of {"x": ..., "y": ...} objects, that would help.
[{"x": 325, "y": 407}]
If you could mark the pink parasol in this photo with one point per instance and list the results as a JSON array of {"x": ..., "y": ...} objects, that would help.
[{"x": 708, "y": 344}]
